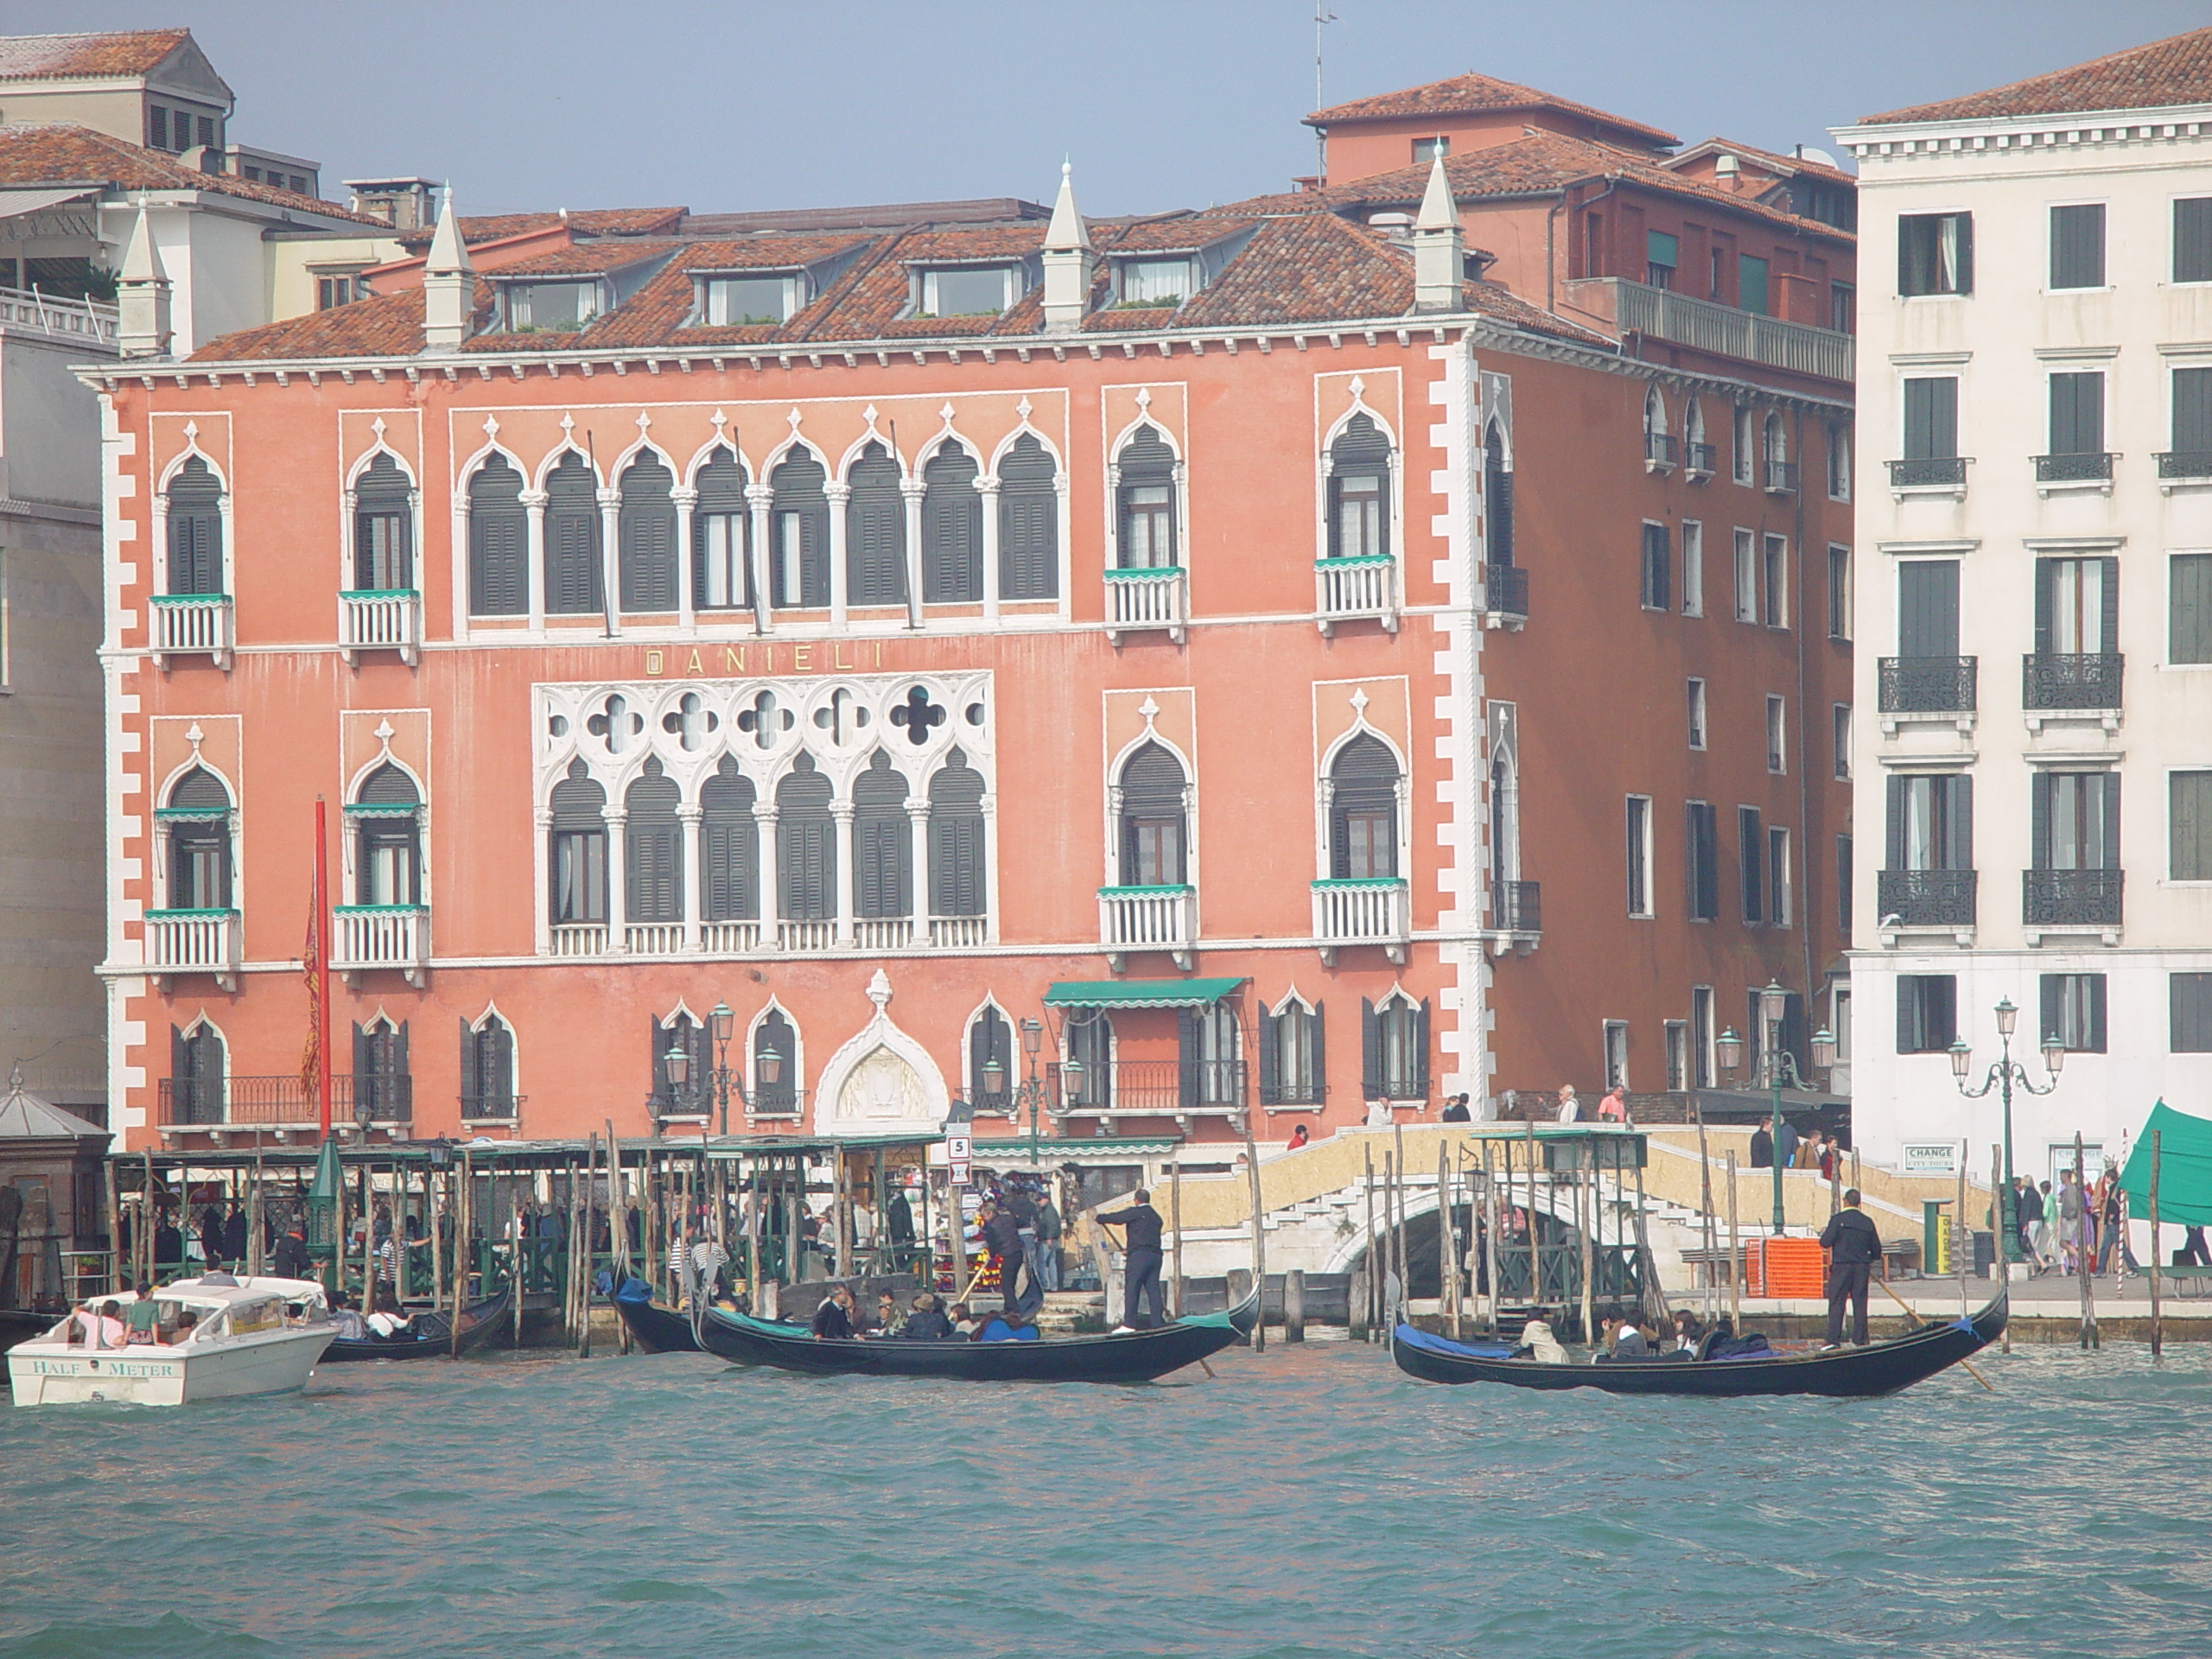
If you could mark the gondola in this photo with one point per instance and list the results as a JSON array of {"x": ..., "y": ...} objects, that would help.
[
  {"x": 427, "y": 1335},
  {"x": 1849, "y": 1373},
  {"x": 1127, "y": 1357},
  {"x": 656, "y": 1329}
]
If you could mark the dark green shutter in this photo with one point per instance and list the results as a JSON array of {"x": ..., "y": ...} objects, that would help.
[
  {"x": 2192, "y": 411},
  {"x": 729, "y": 847},
  {"x": 2052, "y": 988},
  {"x": 2110, "y": 840},
  {"x": 1317, "y": 1031},
  {"x": 573, "y": 584},
  {"x": 1370, "y": 1052},
  {"x": 1908, "y": 1033},
  {"x": 2046, "y": 575},
  {"x": 1029, "y": 523},
  {"x": 646, "y": 545},
  {"x": 1270, "y": 1062},
  {"x": 1420, "y": 1050},
  {"x": 1928, "y": 608},
  {"x": 2189, "y": 610},
  {"x": 2108, "y": 621},
  {"x": 2040, "y": 785},
  {"x": 876, "y": 531},
  {"x": 952, "y": 530},
  {"x": 1187, "y": 1057},
  {"x": 498, "y": 542}
]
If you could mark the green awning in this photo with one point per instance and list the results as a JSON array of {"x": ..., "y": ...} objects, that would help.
[
  {"x": 1138, "y": 993},
  {"x": 2184, "y": 1169}
]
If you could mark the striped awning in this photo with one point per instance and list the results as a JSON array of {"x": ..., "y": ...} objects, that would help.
[{"x": 1138, "y": 993}]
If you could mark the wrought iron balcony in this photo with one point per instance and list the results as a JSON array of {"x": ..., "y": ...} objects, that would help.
[
  {"x": 492, "y": 1109},
  {"x": 1926, "y": 898},
  {"x": 377, "y": 620},
  {"x": 2185, "y": 463},
  {"x": 1519, "y": 906},
  {"x": 1929, "y": 473},
  {"x": 2074, "y": 469},
  {"x": 1346, "y": 588},
  {"x": 1506, "y": 588},
  {"x": 190, "y": 625},
  {"x": 1137, "y": 601},
  {"x": 1658, "y": 451},
  {"x": 1372, "y": 911},
  {"x": 1698, "y": 460},
  {"x": 286, "y": 1102},
  {"x": 1151, "y": 1089},
  {"x": 1927, "y": 685},
  {"x": 2064, "y": 680},
  {"x": 2071, "y": 898},
  {"x": 1781, "y": 477}
]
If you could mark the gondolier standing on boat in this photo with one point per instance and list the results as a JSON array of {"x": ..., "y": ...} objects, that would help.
[
  {"x": 1142, "y": 1260},
  {"x": 1853, "y": 1247}
]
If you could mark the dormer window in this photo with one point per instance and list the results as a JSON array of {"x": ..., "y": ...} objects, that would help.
[
  {"x": 733, "y": 301},
  {"x": 560, "y": 308},
  {"x": 1157, "y": 281},
  {"x": 969, "y": 290}
]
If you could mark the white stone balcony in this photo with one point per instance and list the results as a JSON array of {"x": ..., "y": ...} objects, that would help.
[
  {"x": 193, "y": 942},
  {"x": 1348, "y": 589},
  {"x": 821, "y": 935},
  {"x": 653, "y": 938},
  {"x": 1148, "y": 918},
  {"x": 373, "y": 620},
  {"x": 191, "y": 625},
  {"x": 579, "y": 939},
  {"x": 959, "y": 932},
  {"x": 1138, "y": 600},
  {"x": 883, "y": 933},
  {"x": 1361, "y": 912},
  {"x": 381, "y": 938},
  {"x": 728, "y": 938}
]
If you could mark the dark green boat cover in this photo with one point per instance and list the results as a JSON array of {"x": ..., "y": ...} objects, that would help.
[{"x": 2184, "y": 1169}]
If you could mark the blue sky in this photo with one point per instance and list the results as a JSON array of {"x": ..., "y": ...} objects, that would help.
[{"x": 761, "y": 104}]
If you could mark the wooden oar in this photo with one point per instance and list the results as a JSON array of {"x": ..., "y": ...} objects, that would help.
[{"x": 1901, "y": 1302}]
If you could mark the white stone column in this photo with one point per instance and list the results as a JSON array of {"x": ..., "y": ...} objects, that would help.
[
  {"x": 988, "y": 806},
  {"x": 349, "y": 569},
  {"x": 610, "y": 554},
  {"x": 765, "y": 869},
  {"x": 987, "y": 488},
  {"x": 542, "y": 857},
  {"x": 918, "y": 819},
  {"x": 759, "y": 549},
  {"x": 618, "y": 878},
  {"x": 686, "y": 503},
  {"x": 839, "y": 494},
  {"x": 689, "y": 814},
  {"x": 533, "y": 507},
  {"x": 910, "y": 492},
  {"x": 847, "y": 874}
]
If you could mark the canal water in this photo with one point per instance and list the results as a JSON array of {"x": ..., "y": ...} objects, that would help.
[{"x": 1306, "y": 1502}]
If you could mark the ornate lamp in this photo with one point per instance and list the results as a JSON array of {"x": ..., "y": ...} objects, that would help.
[{"x": 1731, "y": 1049}]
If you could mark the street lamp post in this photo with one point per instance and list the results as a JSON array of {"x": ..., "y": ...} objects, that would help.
[
  {"x": 1777, "y": 1066},
  {"x": 721, "y": 1081},
  {"x": 2002, "y": 1075},
  {"x": 1031, "y": 1093}
]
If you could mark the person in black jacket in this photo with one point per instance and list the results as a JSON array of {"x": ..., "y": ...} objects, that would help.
[
  {"x": 1002, "y": 1235},
  {"x": 291, "y": 1259},
  {"x": 1853, "y": 1247},
  {"x": 927, "y": 1323},
  {"x": 1143, "y": 1257},
  {"x": 833, "y": 1320},
  {"x": 1762, "y": 1148}
]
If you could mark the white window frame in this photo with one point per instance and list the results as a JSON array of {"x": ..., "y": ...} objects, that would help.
[
  {"x": 1747, "y": 575},
  {"x": 1743, "y": 464},
  {"x": 1639, "y": 872},
  {"x": 1780, "y": 878},
  {"x": 1692, "y": 557},
  {"x": 927, "y": 301},
  {"x": 1698, "y": 714},
  {"x": 1704, "y": 1068},
  {"x": 1775, "y": 613},
  {"x": 1614, "y": 1031},
  {"x": 1839, "y": 731},
  {"x": 1679, "y": 1063},
  {"x": 1839, "y": 485},
  {"x": 1778, "y": 735},
  {"x": 2050, "y": 223},
  {"x": 1128, "y": 268},
  {"x": 1850, "y": 585},
  {"x": 793, "y": 298}
]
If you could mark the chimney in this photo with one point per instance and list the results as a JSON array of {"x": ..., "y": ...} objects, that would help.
[
  {"x": 1067, "y": 262},
  {"x": 1440, "y": 246},
  {"x": 143, "y": 296},
  {"x": 448, "y": 284}
]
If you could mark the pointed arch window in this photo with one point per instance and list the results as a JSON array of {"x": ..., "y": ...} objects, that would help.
[
  {"x": 1774, "y": 451},
  {"x": 487, "y": 1069},
  {"x": 875, "y": 531},
  {"x": 645, "y": 540},
  {"x": 1147, "y": 502},
  {"x": 1359, "y": 492},
  {"x": 957, "y": 880},
  {"x": 729, "y": 847},
  {"x": 1210, "y": 1049},
  {"x": 498, "y": 542},
  {"x": 798, "y": 525},
  {"x": 198, "y": 1075},
  {"x": 652, "y": 849},
  {"x": 1292, "y": 1064},
  {"x": 1029, "y": 522},
  {"x": 1363, "y": 812},
  {"x": 1091, "y": 1043},
  {"x": 774, "y": 1035},
  {"x": 388, "y": 839},
  {"x": 806, "y": 845},
  {"x": 199, "y": 817},
  {"x": 883, "y": 884},
  {"x": 196, "y": 516},
  {"x": 1394, "y": 1044},
  {"x": 579, "y": 848},
  {"x": 384, "y": 529},
  {"x": 721, "y": 537},
  {"x": 1697, "y": 453},
  {"x": 952, "y": 530},
  {"x": 381, "y": 1079},
  {"x": 574, "y": 586},
  {"x": 1658, "y": 442},
  {"x": 990, "y": 1040},
  {"x": 680, "y": 1031},
  {"x": 1152, "y": 819},
  {"x": 1497, "y": 496}
]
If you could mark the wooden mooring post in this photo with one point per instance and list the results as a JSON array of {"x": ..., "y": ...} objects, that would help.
[
  {"x": 2001, "y": 1267},
  {"x": 1293, "y": 1305},
  {"x": 2157, "y": 1255},
  {"x": 1175, "y": 1221},
  {"x": 1735, "y": 1254},
  {"x": 2085, "y": 1258}
]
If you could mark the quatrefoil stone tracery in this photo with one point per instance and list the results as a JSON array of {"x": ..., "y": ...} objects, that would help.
[
  {"x": 614, "y": 725},
  {"x": 916, "y": 714}
]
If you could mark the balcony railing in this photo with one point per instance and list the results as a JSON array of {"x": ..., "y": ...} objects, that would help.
[
  {"x": 1658, "y": 450},
  {"x": 1355, "y": 587},
  {"x": 1505, "y": 588},
  {"x": 2065, "y": 680},
  {"x": 959, "y": 932},
  {"x": 1519, "y": 906},
  {"x": 380, "y": 936},
  {"x": 2071, "y": 898},
  {"x": 1780, "y": 477},
  {"x": 2074, "y": 469},
  {"x": 729, "y": 938},
  {"x": 742, "y": 937},
  {"x": 1153, "y": 1088},
  {"x": 1927, "y": 685},
  {"x": 380, "y": 619},
  {"x": 1664, "y": 314},
  {"x": 2185, "y": 463},
  {"x": 1148, "y": 919},
  {"x": 580, "y": 938},
  {"x": 1929, "y": 473},
  {"x": 191, "y": 625},
  {"x": 1698, "y": 460},
  {"x": 653, "y": 939},
  {"x": 86, "y": 323},
  {"x": 1372, "y": 911},
  {"x": 883, "y": 933},
  {"x": 286, "y": 1102},
  {"x": 193, "y": 941},
  {"x": 1926, "y": 898},
  {"x": 811, "y": 934},
  {"x": 1141, "y": 600},
  {"x": 492, "y": 1109}
]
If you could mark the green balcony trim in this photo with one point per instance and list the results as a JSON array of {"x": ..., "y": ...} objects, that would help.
[
  {"x": 1150, "y": 573},
  {"x": 380, "y": 910},
  {"x": 1364, "y": 561},
  {"x": 190, "y": 599},
  {"x": 1145, "y": 893},
  {"x": 185, "y": 915},
  {"x": 380, "y": 809},
  {"x": 1359, "y": 884},
  {"x": 191, "y": 814},
  {"x": 380, "y": 593}
]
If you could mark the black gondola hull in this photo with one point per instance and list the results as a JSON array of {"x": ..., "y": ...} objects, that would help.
[
  {"x": 1133, "y": 1356},
  {"x": 1842, "y": 1373},
  {"x": 431, "y": 1335},
  {"x": 656, "y": 1329}
]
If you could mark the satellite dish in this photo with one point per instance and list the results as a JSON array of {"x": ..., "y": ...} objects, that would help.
[{"x": 1807, "y": 153}]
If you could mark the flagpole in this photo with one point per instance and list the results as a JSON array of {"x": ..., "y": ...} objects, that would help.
[{"x": 321, "y": 923}]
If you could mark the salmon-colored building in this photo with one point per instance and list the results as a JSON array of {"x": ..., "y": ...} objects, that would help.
[{"x": 1279, "y": 665}]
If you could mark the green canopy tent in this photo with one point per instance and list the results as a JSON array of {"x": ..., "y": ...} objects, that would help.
[{"x": 2184, "y": 1169}]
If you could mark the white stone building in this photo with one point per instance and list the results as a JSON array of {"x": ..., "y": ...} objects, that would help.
[{"x": 2032, "y": 743}]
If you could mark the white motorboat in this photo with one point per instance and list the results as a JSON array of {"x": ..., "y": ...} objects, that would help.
[{"x": 255, "y": 1336}]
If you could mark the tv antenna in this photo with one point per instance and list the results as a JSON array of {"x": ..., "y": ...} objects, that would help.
[{"x": 1322, "y": 16}]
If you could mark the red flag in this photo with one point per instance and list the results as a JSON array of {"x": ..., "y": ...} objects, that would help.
[{"x": 311, "y": 1059}]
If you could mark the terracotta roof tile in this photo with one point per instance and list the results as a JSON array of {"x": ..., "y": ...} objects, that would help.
[
  {"x": 133, "y": 52},
  {"x": 2158, "y": 76},
  {"x": 63, "y": 152},
  {"x": 389, "y": 326},
  {"x": 591, "y": 258},
  {"x": 586, "y": 222},
  {"x": 1768, "y": 160},
  {"x": 1473, "y": 94}
]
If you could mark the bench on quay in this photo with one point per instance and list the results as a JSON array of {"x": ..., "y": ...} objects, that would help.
[{"x": 2182, "y": 1277}]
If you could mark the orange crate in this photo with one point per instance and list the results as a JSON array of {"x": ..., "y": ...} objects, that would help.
[{"x": 1792, "y": 1266}]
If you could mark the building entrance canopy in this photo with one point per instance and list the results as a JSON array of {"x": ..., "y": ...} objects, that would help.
[{"x": 1138, "y": 993}]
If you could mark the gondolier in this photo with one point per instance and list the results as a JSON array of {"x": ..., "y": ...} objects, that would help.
[
  {"x": 1853, "y": 1247},
  {"x": 1142, "y": 1260}
]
